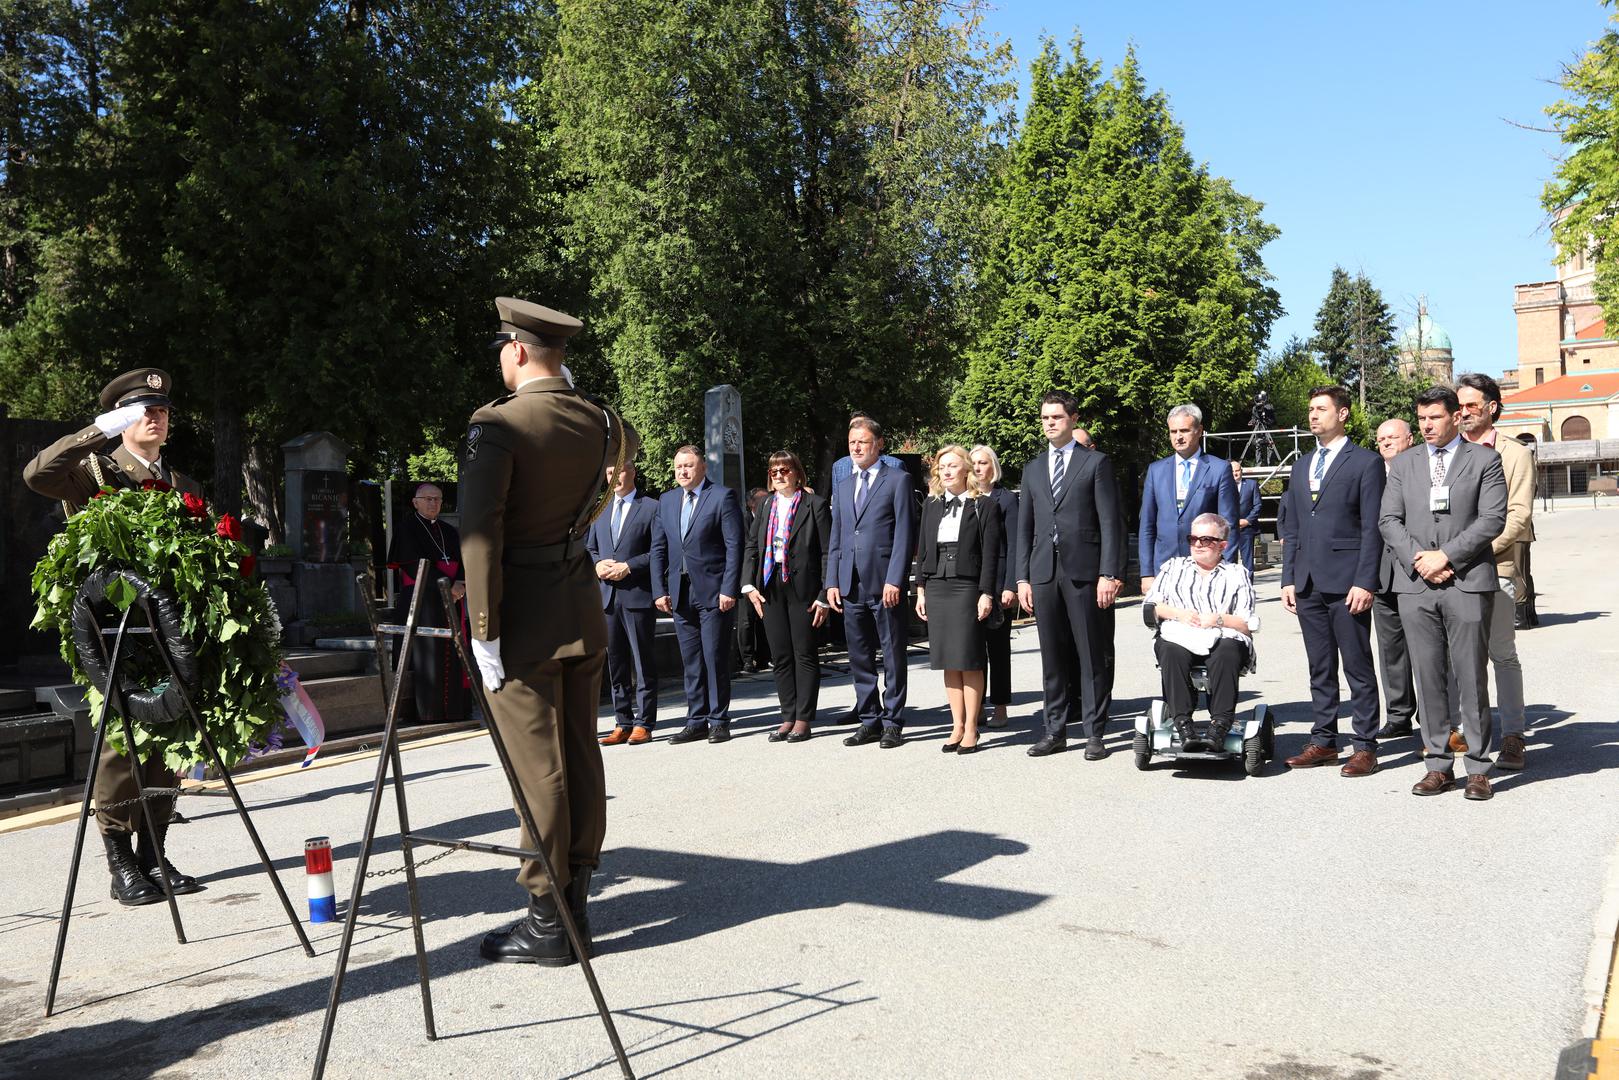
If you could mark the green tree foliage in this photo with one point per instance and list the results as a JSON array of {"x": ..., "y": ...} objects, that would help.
[
  {"x": 1127, "y": 275},
  {"x": 1354, "y": 332},
  {"x": 1287, "y": 376},
  {"x": 784, "y": 197},
  {"x": 1584, "y": 193},
  {"x": 300, "y": 209}
]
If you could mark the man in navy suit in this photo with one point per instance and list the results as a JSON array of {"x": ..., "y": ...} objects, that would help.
[
  {"x": 1179, "y": 488},
  {"x": 1332, "y": 549},
  {"x": 697, "y": 574},
  {"x": 868, "y": 570},
  {"x": 620, "y": 544},
  {"x": 1069, "y": 562},
  {"x": 1248, "y": 512}
]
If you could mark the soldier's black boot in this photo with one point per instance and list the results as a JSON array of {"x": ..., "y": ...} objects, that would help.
[
  {"x": 150, "y": 860},
  {"x": 536, "y": 939},
  {"x": 129, "y": 885},
  {"x": 578, "y": 893}
]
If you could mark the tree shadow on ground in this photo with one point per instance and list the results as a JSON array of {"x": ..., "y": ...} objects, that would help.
[{"x": 697, "y": 895}]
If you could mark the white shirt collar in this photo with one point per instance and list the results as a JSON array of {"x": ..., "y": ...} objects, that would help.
[
  {"x": 1449, "y": 448},
  {"x": 1054, "y": 451},
  {"x": 627, "y": 499},
  {"x": 1334, "y": 446},
  {"x": 153, "y": 464}
]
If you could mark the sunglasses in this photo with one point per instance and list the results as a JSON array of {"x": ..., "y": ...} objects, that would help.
[
  {"x": 1207, "y": 541},
  {"x": 782, "y": 470}
]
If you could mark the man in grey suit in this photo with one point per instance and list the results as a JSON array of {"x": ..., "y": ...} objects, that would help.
[
  {"x": 1069, "y": 567},
  {"x": 1444, "y": 504},
  {"x": 1393, "y": 658}
]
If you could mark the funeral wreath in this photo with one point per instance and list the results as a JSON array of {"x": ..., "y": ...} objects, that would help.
[{"x": 157, "y": 545}]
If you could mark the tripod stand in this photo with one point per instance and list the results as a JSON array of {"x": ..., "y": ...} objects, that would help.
[
  {"x": 393, "y": 677},
  {"x": 111, "y": 694}
]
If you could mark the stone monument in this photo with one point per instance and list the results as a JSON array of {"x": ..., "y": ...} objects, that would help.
[
  {"x": 27, "y": 523},
  {"x": 722, "y": 438},
  {"x": 317, "y": 501}
]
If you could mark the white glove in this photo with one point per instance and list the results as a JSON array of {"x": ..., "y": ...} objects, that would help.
[
  {"x": 120, "y": 420},
  {"x": 487, "y": 653}
]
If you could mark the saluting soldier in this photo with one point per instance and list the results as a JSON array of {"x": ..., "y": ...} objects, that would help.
[
  {"x": 531, "y": 484},
  {"x": 135, "y": 416}
]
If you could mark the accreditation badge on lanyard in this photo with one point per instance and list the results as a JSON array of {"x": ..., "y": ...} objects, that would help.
[{"x": 1439, "y": 499}]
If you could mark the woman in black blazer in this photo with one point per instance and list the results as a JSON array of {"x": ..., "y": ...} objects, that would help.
[
  {"x": 958, "y": 584},
  {"x": 782, "y": 568},
  {"x": 998, "y": 633}
]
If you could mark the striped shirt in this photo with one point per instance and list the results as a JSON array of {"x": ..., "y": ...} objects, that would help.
[{"x": 1225, "y": 590}]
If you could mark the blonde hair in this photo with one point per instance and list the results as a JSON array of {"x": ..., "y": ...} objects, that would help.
[
  {"x": 994, "y": 461},
  {"x": 935, "y": 487}
]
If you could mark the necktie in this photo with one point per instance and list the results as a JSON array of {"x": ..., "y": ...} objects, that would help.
[
  {"x": 1320, "y": 463},
  {"x": 685, "y": 513},
  {"x": 1186, "y": 475},
  {"x": 1438, "y": 468},
  {"x": 1056, "y": 475},
  {"x": 618, "y": 520},
  {"x": 862, "y": 485}
]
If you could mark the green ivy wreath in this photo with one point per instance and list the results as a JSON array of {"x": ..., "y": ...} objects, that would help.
[{"x": 169, "y": 539}]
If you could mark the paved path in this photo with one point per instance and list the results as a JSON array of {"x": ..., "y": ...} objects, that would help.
[{"x": 816, "y": 911}]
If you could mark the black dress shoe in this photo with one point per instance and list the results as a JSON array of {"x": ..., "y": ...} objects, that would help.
[
  {"x": 1050, "y": 744},
  {"x": 721, "y": 733},
  {"x": 1394, "y": 730},
  {"x": 891, "y": 739},
  {"x": 1094, "y": 750},
  {"x": 867, "y": 733},
  {"x": 973, "y": 749},
  {"x": 537, "y": 939},
  {"x": 799, "y": 736},
  {"x": 778, "y": 736},
  {"x": 690, "y": 733}
]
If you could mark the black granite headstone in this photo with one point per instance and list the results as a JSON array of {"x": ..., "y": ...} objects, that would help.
[{"x": 27, "y": 523}]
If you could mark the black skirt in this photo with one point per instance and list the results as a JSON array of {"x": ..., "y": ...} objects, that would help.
[{"x": 955, "y": 636}]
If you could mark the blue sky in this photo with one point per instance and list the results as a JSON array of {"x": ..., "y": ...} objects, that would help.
[{"x": 1379, "y": 135}]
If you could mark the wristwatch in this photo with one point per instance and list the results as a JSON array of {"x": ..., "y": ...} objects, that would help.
[{"x": 1219, "y": 620}]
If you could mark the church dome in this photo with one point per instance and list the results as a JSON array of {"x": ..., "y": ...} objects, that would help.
[{"x": 1429, "y": 333}]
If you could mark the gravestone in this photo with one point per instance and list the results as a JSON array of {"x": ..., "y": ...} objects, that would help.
[
  {"x": 317, "y": 497},
  {"x": 317, "y": 501},
  {"x": 722, "y": 437}
]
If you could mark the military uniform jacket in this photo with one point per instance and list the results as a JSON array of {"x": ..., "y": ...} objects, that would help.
[
  {"x": 63, "y": 469},
  {"x": 534, "y": 459}
]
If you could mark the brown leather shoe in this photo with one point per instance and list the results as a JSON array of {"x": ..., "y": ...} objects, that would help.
[
  {"x": 1478, "y": 788},
  {"x": 616, "y": 736},
  {"x": 640, "y": 735},
  {"x": 1511, "y": 755},
  {"x": 1313, "y": 755},
  {"x": 1434, "y": 783},
  {"x": 1458, "y": 744},
  {"x": 1360, "y": 763}
]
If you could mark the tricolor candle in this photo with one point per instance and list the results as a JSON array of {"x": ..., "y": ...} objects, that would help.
[{"x": 318, "y": 867}]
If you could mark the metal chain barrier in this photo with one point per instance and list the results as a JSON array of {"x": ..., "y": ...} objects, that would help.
[
  {"x": 149, "y": 793},
  {"x": 446, "y": 853}
]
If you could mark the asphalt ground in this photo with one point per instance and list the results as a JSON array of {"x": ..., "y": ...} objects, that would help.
[{"x": 814, "y": 910}]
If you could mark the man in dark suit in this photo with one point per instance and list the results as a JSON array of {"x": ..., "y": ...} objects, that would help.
[
  {"x": 1248, "y": 516},
  {"x": 1393, "y": 656},
  {"x": 867, "y": 572},
  {"x": 1069, "y": 563},
  {"x": 1445, "y": 504},
  {"x": 620, "y": 544},
  {"x": 1331, "y": 549},
  {"x": 697, "y": 574},
  {"x": 1179, "y": 487}
]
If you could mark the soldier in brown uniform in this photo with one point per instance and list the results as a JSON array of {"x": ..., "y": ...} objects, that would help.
[
  {"x": 530, "y": 486},
  {"x": 135, "y": 422}
]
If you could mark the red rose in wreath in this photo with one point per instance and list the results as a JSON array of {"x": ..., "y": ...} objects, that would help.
[
  {"x": 195, "y": 504},
  {"x": 150, "y": 484},
  {"x": 248, "y": 565},
  {"x": 229, "y": 527}
]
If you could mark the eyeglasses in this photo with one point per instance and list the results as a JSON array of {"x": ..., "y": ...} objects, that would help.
[
  {"x": 781, "y": 470},
  {"x": 1207, "y": 541}
]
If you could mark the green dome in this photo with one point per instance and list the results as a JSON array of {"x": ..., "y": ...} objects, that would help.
[{"x": 1430, "y": 333}]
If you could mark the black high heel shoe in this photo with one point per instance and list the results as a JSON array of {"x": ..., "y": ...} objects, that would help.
[
  {"x": 950, "y": 747},
  {"x": 965, "y": 749}
]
